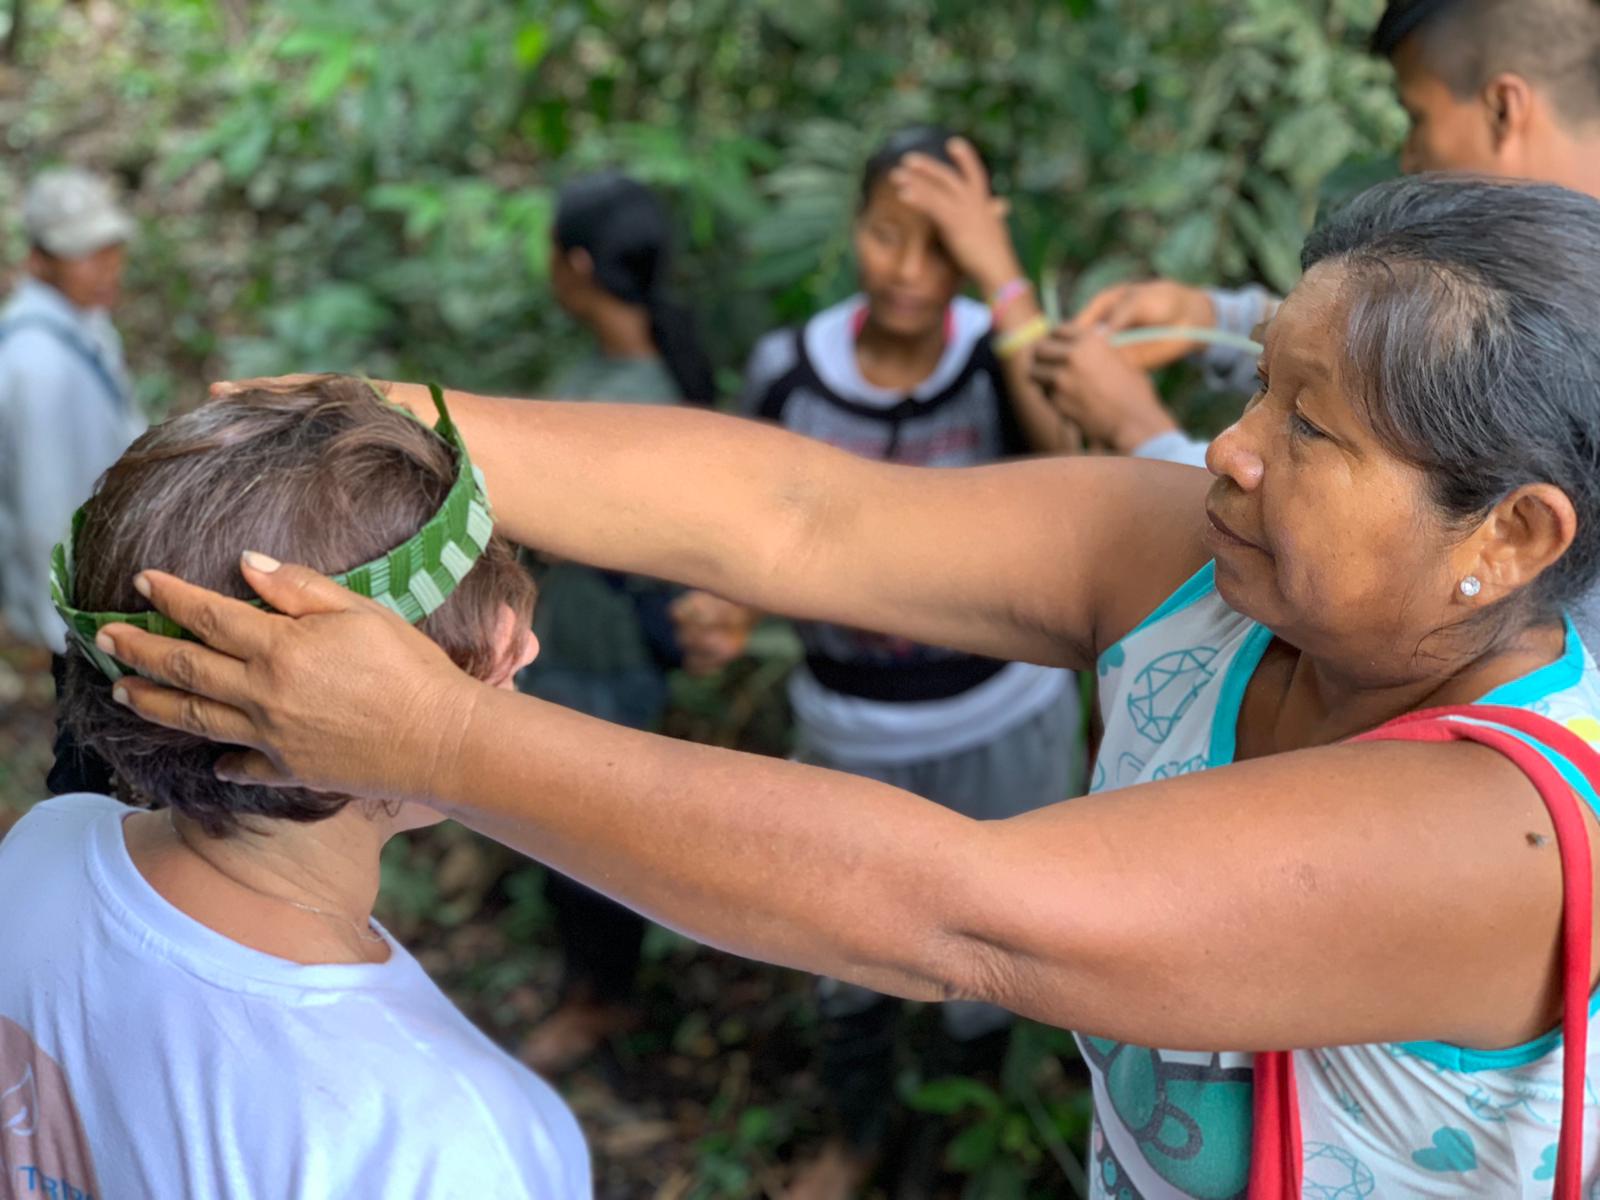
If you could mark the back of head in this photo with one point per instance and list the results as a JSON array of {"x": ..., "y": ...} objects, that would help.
[
  {"x": 325, "y": 473},
  {"x": 624, "y": 229},
  {"x": 1553, "y": 44},
  {"x": 622, "y": 226},
  {"x": 1471, "y": 337}
]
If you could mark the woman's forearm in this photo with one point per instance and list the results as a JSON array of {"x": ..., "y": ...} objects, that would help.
[{"x": 790, "y": 864}]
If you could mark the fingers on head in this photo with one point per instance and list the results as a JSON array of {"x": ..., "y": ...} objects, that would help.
[
  {"x": 966, "y": 158},
  {"x": 296, "y": 591},
  {"x": 929, "y": 171},
  {"x": 187, "y": 665},
  {"x": 184, "y": 711},
  {"x": 229, "y": 625}
]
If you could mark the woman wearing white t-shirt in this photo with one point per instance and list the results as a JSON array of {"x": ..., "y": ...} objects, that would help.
[{"x": 195, "y": 999}]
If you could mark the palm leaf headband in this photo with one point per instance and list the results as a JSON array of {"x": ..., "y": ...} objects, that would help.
[{"x": 413, "y": 579}]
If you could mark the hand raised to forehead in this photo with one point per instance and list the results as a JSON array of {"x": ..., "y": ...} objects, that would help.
[{"x": 970, "y": 219}]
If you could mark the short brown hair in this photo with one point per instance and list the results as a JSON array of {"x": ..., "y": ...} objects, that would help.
[
  {"x": 324, "y": 473},
  {"x": 1553, "y": 44}
]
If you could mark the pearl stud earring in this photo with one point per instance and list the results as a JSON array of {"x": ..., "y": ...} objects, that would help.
[{"x": 1470, "y": 586}]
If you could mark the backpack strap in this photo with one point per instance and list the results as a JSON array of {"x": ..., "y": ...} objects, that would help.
[
  {"x": 68, "y": 338},
  {"x": 1013, "y": 437},
  {"x": 801, "y": 373},
  {"x": 1277, "y": 1154}
]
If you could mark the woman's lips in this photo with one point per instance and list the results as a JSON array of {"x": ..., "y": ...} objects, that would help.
[
  {"x": 1224, "y": 532},
  {"x": 907, "y": 305}
]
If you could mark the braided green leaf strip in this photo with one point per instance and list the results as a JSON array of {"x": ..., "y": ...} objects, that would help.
[{"x": 414, "y": 579}]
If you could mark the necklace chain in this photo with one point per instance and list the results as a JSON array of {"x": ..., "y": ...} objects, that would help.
[{"x": 366, "y": 934}]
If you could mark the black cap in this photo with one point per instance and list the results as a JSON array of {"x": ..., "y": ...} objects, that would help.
[{"x": 1401, "y": 19}]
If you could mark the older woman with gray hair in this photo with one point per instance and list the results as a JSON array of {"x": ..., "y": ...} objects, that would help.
[
  {"x": 1396, "y": 523},
  {"x": 195, "y": 999}
]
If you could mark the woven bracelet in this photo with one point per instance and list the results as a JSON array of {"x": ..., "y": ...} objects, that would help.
[{"x": 1022, "y": 337}]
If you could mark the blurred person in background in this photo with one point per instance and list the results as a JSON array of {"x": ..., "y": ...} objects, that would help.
[
  {"x": 66, "y": 409},
  {"x": 607, "y": 637},
  {"x": 910, "y": 371},
  {"x": 1505, "y": 88}
]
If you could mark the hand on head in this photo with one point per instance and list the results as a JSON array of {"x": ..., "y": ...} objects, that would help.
[
  {"x": 332, "y": 691},
  {"x": 1149, "y": 305},
  {"x": 1095, "y": 387},
  {"x": 223, "y": 388},
  {"x": 413, "y": 397},
  {"x": 970, "y": 219}
]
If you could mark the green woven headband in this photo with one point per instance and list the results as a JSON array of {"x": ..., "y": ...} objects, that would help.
[{"x": 413, "y": 579}]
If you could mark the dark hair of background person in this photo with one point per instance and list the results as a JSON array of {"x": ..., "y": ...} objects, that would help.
[
  {"x": 624, "y": 229},
  {"x": 1471, "y": 338},
  {"x": 932, "y": 140},
  {"x": 1553, "y": 44},
  {"x": 324, "y": 473}
]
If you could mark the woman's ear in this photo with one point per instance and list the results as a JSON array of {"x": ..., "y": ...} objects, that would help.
[
  {"x": 581, "y": 263},
  {"x": 515, "y": 646},
  {"x": 1525, "y": 535}
]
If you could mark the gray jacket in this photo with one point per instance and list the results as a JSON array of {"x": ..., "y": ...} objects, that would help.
[{"x": 66, "y": 414}]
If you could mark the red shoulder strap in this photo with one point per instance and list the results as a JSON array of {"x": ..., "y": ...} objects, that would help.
[{"x": 1276, "y": 1156}]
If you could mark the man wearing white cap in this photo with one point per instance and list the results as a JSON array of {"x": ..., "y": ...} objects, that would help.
[{"x": 66, "y": 412}]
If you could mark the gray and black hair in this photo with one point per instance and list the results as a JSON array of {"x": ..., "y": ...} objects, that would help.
[
  {"x": 1473, "y": 336},
  {"x": 1553, "y": 44},
  {"x": 321, "y": 472}
]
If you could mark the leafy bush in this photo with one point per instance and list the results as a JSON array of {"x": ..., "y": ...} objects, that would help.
[{"x": 369, "y": 184}]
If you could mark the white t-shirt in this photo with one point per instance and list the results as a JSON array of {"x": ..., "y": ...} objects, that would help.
[{"x": 144, "y": 1055}]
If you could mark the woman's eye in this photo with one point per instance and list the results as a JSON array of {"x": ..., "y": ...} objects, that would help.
[{"x": 1304, "y": 428}]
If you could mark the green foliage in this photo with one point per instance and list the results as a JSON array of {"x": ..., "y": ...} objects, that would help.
[
  {"x": 369, "y": 184},
  {"x": 1018, "y": 1138}
]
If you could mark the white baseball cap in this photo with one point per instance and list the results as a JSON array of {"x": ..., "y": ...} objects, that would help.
[{"x": 71, "y": 213}]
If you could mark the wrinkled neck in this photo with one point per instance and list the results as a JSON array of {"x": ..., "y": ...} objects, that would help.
[
  {"x": 331, "y": 864},
  {"x": 1307, "y": 701}
]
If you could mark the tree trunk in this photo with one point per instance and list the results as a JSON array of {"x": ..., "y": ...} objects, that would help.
[
  {"x": 11, "y": 48},
  {"x": 235, "y": 21}
]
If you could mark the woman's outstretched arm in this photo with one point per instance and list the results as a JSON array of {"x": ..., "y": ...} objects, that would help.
[
  {"x": 1008, "y": 560},
  {"x": 1348, "y": 894}
]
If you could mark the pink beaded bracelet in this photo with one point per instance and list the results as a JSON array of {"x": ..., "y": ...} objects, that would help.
[{"x": 1007, "y": 294}]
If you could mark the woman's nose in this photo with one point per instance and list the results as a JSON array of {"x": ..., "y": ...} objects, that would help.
[
  {"x": 1234, "y": 455},
  {"x": 909, "y": 265}
]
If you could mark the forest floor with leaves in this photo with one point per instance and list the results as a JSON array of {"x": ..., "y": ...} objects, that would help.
[{"x": 714, "y": 1096}]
